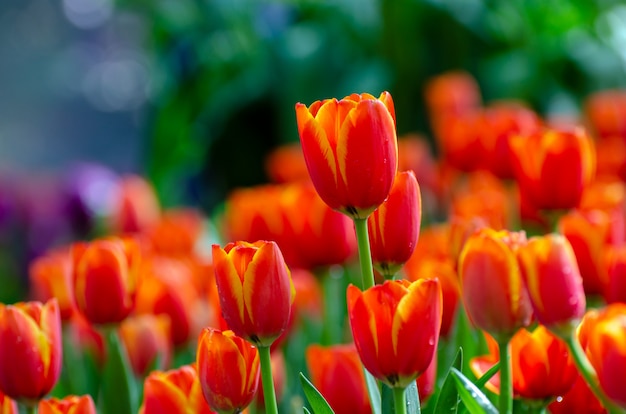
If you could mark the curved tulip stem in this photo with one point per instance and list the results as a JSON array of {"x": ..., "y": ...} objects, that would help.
[
  {"x": 506, "y": 380},
  {"x": 365, "y": 254},
  {"x": 589, "y": 373},
  {"x": 269, "y": 394},
  {"x": 399, "y": 400}
]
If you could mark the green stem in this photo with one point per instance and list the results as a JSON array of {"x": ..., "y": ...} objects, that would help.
[
  {"x": 333, "y": 297},
  {"x": 589, "y": 373},
  {"x": 399, "y": 400},
  {"x": 506, "y": 380},
  {"x": 269, "y": 394},
  {"x": 31, "y": 408},
  {"x": 365, "y": 255}
]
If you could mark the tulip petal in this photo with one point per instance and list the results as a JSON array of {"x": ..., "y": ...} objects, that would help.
[{"x": 229, "y": 286}]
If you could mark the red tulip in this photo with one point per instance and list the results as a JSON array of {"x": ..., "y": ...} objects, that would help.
[
  {"x": 255, "y": 289},
  {"x": 351, "y": 151},
  {"x": 395, "y": 226},
  {"x": 147, "y": 340},
  {"x": 30, "y": 349},
  {"x": 228, "y": 368},
  {"x": 395, "y": 327}
]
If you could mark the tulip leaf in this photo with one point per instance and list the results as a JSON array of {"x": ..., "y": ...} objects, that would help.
[
  {"x": 118, "y": 387},
  {"x": 448, "y": 401},
  {"x": 319, "y": 405},
  {"x": 484, "y": 379},
  {"x": 473, "y": 398},
  {"x": 412, "y": 399},
  {"x": 373, "y": 392},
  {"x": 306, "y": 410}
]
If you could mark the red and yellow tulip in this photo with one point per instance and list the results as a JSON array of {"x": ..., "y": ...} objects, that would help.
[
  {"x": 51, "y": 277},
  {"x": 395, "y": 226},
  {"x": 395, "y": 327},
  {"x": 228, "y": 368},
  {"x": 351, "y": 150},
  {"x": 71, "y": 404},
  {"x": 256, "y": 291},
  {"x": 147, "y": 340},
  {"x": 30, "y": 349}
]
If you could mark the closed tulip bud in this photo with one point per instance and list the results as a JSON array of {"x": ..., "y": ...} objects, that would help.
[
  {"x": 135, "y": 207},
  {"x": 554, "y": 175},
  {"x": 177, "y": 391},
  {"x": 228, "y": 368},
  {"x": 351, "y": 150},
  {"x": 106, "y": 276},
  {"x": 395, "y": 327},
  {"x": 30, "y": 349},
  {"x": 256, "y": 291},
  {"x": 554, "y": 283},
  {"x": 603, "y": 336},
  {"x": 69, "y": 405},
  {"x": 337, "y": 373},
  {"x": 491, "y": 282},
  {"x": 147, "y": 341},
  {"x": 51, "y": 277},
  {"x": 395, "y": 226}
]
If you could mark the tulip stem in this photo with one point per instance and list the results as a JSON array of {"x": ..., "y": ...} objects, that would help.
[
  {"x": 506, "y": 380},
  {"x": 333, "y": 296},
  {"x": 365, "y": 254},
  {"x": 589, "y": 373},
  {"x": 30, "y": 408},
  {"x": 399, "y": 400},
  {"x": 269, "y": 394}
]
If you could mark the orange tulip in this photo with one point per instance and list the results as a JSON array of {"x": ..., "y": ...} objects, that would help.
[
  {"x": 228, "y": 368},
  {"x": 7, "y": 405},
  {"x": 337, "y": 373},
  {"x": 136, "y": 206},
  {"x": 256, "y": 291},
  {"x": 542, "y": 366},
  {"x": 395, "y": 327},
  {"x": 285, "y": 164},
  {"x": 106, "y": 276},
  {"x": 603, "y": 336},
  {"x": 176, "y": 232},
  {"x": 177, "y": 391},
  {"x": 395, "y": 226},
  {"x": 68, "y": 405},
  {"x": 451, "y": 93},
  {"x": 30, "y": 349},
  {"x": 606, "y": 111},
  {"x": 491, "y": 282},
  {"x": 147, "y": 340},
  {"x": 351, "y": 151},
  {"x": 554, "y": 283},
  {"x": 554, "y": 175},
  {"x": 51, "y": 277}
]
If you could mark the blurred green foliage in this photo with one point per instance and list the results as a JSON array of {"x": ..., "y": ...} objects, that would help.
[{"x": 230, "y": 71}]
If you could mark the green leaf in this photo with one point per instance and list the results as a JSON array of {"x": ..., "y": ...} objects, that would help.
[
  {"x": 118, "y": 392},
  {"x": 448, "y": 401},
  {"x": 488, "y": 375},
  {"x": 412, "y": 399},
  {"x": 317, "y": 400},
  {"x": 306, "y": 410},
  {"x": 373, "y": 392},
  {"x": 473, "y": 398}
]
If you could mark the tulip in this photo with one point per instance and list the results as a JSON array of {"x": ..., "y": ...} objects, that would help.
[
  {"x": 543, "y": 369},
  {"x": 452, "y": 93},
  {"x": 337, "y": 374},
  {"x": 256, "y": 291},
  {"x": 147, "y": 340},
  {"x": 285, "y": 164},
  {"x": 51, "y": 277},
  {"x": 68, "y": 405},
  {"x": 350, "y": 149},
  {"x": 228, "y": 368},
  {"x": 395, "y": 327},
  {"x": 554, "y": 283},
  {"x": 135, "y": 207},
  {"x": 578, "y": 400},
  {"x": 554, "y": 175},
  {"x": 615, "y": 257},
  {"x": 30, "y": 349},
  {"x": 177, "y": 391},
  {"x": 491, "y": 282},
  {"x": 603, "y": 336},
  {"x": 106, "y": 277},
  {"x": 7, "y": 405},
  {"x": 394, "y": 227},
  {"x": 176, "y": 232},
  {"x": 606, "y": 111}
]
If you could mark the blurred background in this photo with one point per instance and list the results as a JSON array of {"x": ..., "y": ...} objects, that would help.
[{"x": 193, "y": 94}]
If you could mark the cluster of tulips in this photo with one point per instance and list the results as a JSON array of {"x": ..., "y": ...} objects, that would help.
[{"x": 346, "y": 272}]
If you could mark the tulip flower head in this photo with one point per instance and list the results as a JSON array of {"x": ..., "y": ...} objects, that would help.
[
  {"x": 228, "y": 368},
  {"x": 256, "y": 291},
  {"x": 351, "y": 150},
  {"x": 69, "y": 405},
  {"x": 30, "y": 349},
  {"x": 394, "y": 227},
  {"x": 395, "y": 327}
]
